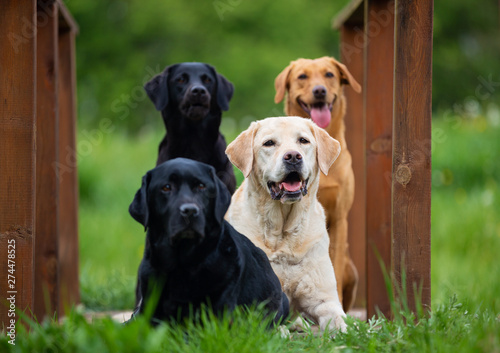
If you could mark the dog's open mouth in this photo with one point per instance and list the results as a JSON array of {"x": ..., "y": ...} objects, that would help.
[
  {"x": 292, "y": 188},
  {"x": 320, "y": 112}
]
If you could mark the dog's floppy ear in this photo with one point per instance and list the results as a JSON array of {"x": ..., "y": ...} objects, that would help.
[
  {"x": 240, "y": 151},
  {"x": 157, "y": 88},
  {"x": 138, "y": 209},
  {"x": 281, "y": 82},
  {"x": 328, "y": 149},
  {"x": 346, "y": 77},
  {"x": 225, "y": 89},
  {"x": 222, "y": 198}
]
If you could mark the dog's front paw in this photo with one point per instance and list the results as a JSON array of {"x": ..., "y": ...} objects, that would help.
[
  {"x": 333, "y": 324},
  {"x": 283, "y": 331}
]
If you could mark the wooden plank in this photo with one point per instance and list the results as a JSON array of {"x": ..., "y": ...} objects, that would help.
[
  {"x": 66, "y": 20},
  {"x": 67, "y": 168},
  {"x": 46, "y": 286},
  {"x": 379, "y": 68},
  {"x": 411, "y": 164},
  {"x": 350, "y": 15},
  {"x": 17, "y": 157},
  {"x": 352, "y": 56}
]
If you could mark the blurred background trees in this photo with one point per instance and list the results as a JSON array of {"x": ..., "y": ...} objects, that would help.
[{"x": 123, "y": 42}]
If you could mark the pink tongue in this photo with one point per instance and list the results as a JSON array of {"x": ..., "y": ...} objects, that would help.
[
  {"x": 321, "y": 116},
  {"x": 292, "y": 187}
]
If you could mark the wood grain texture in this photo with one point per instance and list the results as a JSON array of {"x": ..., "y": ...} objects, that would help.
[
  {"x": 47, "y": 187},
  {"x": 68, "y": 174},
  {"x": 379, "y": 68},
  {"x": 411, "y": 164},
  {"x": 17, "y": 146},
  {"x": 352, "y": 56}
]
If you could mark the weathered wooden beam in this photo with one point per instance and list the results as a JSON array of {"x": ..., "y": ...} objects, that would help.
[
  {"x": 411, "y": 163},
  {"x": 17, "y": 156},
  {"x": 378, "y": 95},
  {"x": 46, "y": 296},
  {"x": 351, "y": 51},
  {"x": 67, "y": 173}
]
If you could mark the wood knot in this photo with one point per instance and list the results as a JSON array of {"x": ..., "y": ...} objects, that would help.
[{"x": 403, "y": 174}]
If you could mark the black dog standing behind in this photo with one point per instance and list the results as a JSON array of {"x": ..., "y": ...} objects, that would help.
[
  {"x": 191, "y": 98},
  {"x": 192, "y": 254}
]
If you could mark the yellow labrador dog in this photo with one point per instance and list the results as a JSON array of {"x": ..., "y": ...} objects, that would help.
[{"x": 276, "y": 206}]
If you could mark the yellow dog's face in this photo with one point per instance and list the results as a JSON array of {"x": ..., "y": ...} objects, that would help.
[
  {"x": 284, "y": 155},
  {"x": 314, "y": 86}
]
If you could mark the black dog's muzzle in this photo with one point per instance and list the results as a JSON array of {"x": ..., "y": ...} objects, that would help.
[{"x": 190, "y": 225}]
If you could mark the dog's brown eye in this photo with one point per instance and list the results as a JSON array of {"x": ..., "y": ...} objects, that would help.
[
  {"x": 303, "y": 141},
  {"x": 206, "y": 79},
  {"x": 201, "y": 186},
  {"x": 167, "y": 188},
  {"x": 181, "y": 80},
  {"x": 329, "y": 75},
  {"x": 302, "y": 77},
  {"x": 269, "y": 143}
]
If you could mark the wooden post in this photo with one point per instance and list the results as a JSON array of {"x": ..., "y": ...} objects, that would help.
[
  {"x": 350, "y": 22},
  {"x": 352, "y": 49},
  {"x": 17, "y": 156},
  {"x": 47, "y": 187},
  {"x": 68, "y": 173},
  {"x": 411, "y": 161},
  {"x": 378, "y": 95},
  {"x": 396, "y": 130}
]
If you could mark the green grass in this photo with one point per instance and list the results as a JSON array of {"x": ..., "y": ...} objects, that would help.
[
  {"x": 466, "y": 212},
  {"x": 450, "y": 327},
  {"x": 465, "y": 314}
]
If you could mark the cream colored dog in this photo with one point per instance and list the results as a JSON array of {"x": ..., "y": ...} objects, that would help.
[{"x": 276, "y": 207}]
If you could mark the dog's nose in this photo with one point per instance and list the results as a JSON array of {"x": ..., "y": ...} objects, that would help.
[
  {"x": 319, "y": 92},
  {"x": 292, "y": 157},
  {"x": 198, "y": 90},
  {"x": 189, "y": 210}
]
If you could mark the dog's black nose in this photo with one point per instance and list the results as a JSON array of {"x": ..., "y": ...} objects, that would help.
[
  {"x": 292, "y": 157},
  {"x": 198, "y": 90},
  {"x": 189, "y": 210},
  {"x": 319, "y": 92}
]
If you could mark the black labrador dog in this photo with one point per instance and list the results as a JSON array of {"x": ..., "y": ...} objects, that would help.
[
  {"x": 193, "y": 255},
  {"x": 191, "y": 98}
]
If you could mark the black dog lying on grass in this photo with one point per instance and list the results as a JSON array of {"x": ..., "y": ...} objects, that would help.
[
  {"x": 193, "y": 256},
  {"x": 191, "y": 98}
]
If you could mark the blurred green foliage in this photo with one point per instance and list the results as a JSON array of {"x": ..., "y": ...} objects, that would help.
[
  {"x": 122, "y": 44},
  {"x": 466, "y": 69}
]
